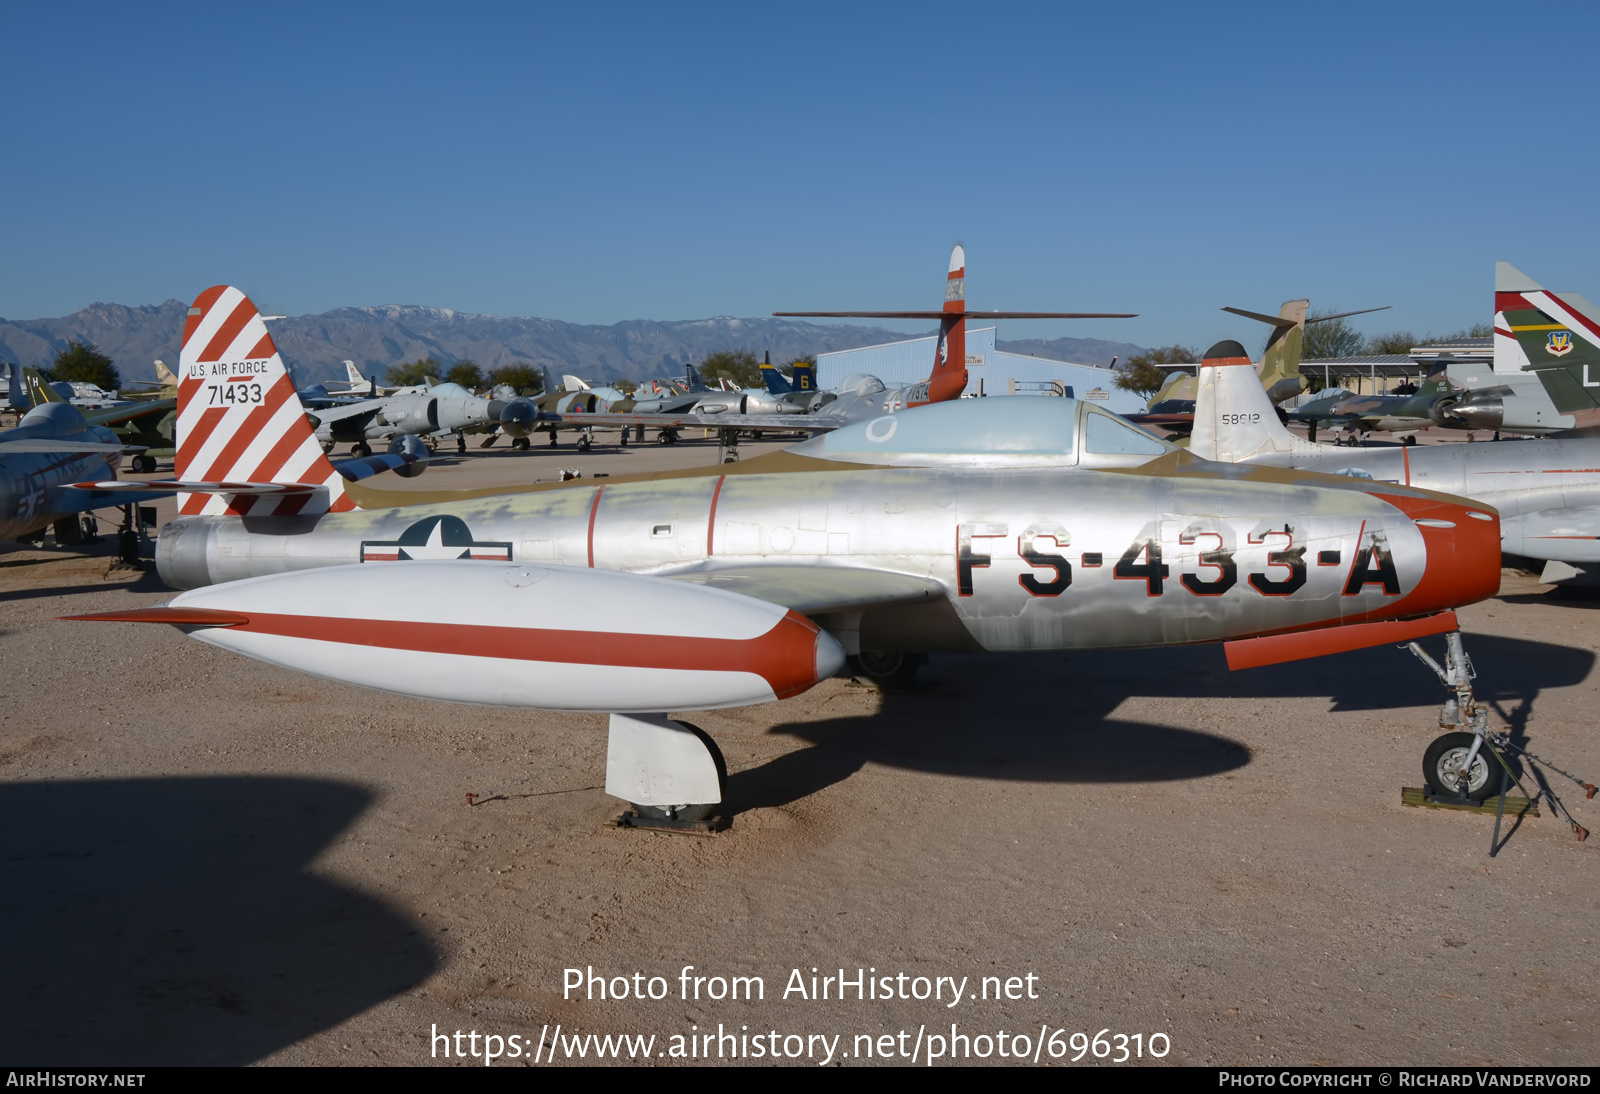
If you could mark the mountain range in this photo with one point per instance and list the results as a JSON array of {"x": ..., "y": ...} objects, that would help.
[{"x": 374, "y": 338}]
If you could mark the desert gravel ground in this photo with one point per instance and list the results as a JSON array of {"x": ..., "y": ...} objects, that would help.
[{"x": 204, "y": 859}]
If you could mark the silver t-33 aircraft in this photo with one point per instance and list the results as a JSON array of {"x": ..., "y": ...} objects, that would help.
[{"x": 998, "y": 524}]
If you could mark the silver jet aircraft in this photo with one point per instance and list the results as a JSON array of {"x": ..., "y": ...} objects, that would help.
[
  {"x": 49, "y": 450},
  {"x": 978, "y": 525}
]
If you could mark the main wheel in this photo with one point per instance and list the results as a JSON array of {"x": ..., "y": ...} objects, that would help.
[
  {"x": 360, "y": 450},
  {"x": 521, "y": 444},
  {"x": 699, "y": 811},
  {"x": 1441, "y": 767},
  {"x": 888, "y": 670}
]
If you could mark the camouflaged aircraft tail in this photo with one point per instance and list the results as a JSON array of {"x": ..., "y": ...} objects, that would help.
[{"x": 1557, "y": 334}]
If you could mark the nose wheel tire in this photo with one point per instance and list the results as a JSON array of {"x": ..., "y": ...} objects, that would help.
[
  {"x": 520, "y": 444},
  {"x": 360, "y": 451},
  {"x": 1441, "y": 768}
]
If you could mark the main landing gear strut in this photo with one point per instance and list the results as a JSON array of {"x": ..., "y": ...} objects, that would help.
[{"x": 671, "y": 774}]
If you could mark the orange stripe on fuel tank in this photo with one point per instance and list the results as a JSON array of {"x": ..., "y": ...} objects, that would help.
[
  {"x": 785, "y": 656},
  {"x": 177, "y": 617}
]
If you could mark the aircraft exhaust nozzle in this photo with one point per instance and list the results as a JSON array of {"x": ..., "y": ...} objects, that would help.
[
  {"x": 435, "y": 627},
  {"x": 1484, "y": 411}
]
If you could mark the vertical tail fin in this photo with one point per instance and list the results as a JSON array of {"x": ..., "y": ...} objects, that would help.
[
  {"x": 776, "y": 384},
  {"x": 40, "y": 392},
  {"x": 1280, "y": 361},
  {"x": 691, "y": 379},
  {"x": 803, "y": 376},
  {"x": 949, "y": 377},
  {"x": 239, "y": 418},
  {"x": 1557, "y": 335},
  {"x": 1438, "y": 379},
  {"x": 1234, "y": 419},
  {"x": 1509, "y": 285},
  {"x": 354, "y": 375}
]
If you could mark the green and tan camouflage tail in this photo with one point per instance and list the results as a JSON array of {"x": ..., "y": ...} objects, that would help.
[{"x": 1280, "y": 362}]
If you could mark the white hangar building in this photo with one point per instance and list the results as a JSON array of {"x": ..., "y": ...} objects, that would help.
[{"x": 989, "y": 371}]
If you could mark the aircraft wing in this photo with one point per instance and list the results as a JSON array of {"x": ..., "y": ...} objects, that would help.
[
  {"x": 117, "y": 415},
  {"x": 754, "y": 423},
  {"x": 812, "y": 590},
  {"x": 38, "y": 445},
  {"x": 340, "y": 411}
]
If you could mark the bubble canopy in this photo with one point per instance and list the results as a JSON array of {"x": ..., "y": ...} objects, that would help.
[{"x": 1021, "y": 429}]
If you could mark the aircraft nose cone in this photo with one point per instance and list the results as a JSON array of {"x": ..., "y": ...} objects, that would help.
[
  {"x": 829, "y": 655},
  {"x": 1463, "y": 553},
  {"x": 517, "y": 412}
]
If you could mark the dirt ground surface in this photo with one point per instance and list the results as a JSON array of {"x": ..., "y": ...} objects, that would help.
[{"x": 211, "y": 860}]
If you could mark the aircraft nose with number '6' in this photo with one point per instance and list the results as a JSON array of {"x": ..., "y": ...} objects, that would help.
[{"x": 999, "y": 524}]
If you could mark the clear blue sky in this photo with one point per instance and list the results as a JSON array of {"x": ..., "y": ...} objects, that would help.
[{"x": 601, "y": 162}]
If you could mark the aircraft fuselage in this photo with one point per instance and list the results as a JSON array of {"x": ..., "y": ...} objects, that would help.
[{"x": 1016, "y": 560}]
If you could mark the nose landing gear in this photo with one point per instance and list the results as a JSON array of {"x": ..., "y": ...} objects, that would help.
[{"x": 1458, "y": 765}]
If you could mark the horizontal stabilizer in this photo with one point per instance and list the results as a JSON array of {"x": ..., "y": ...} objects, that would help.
[
  {"x": 1269, "y": 320},
  {"x": 1345, "y": 314},
  {"x": 243, "y": 489},
  {"x": 969, "y": 314},
  {"x": 1249, "y": 653}
]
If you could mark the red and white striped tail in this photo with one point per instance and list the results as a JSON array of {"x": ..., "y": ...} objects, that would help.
[{"x": 239, "y": 418}]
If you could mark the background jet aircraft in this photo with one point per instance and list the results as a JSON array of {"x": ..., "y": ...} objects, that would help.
[
  {"x": 52, "y": 447},
  {"x": 145, "y": 425},
  {"x": 861, "y": 396},
  {"x": 1556, "y": 336},
  {"x": 443, "y": 410},
  {"x": 1171, "y": 409},
  {"x": 706, "y": 588},
  {"x": 1431, "y": 404},
  {"x": 1547, "y": 491}
]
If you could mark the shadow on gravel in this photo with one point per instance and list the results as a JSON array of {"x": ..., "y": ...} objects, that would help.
[
  {"x": 147, "y": 582},
  {"x": 171, "y": 921},
  {"x": 1049, "y": 717}
]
